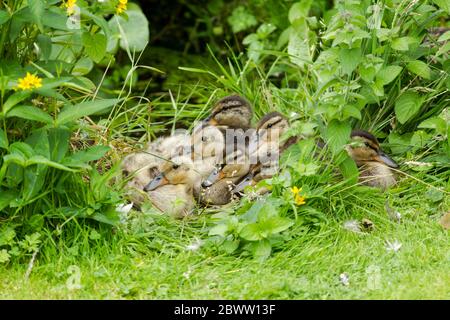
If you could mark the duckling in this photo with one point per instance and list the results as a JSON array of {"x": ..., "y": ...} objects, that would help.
[
  {"x": 172, "y": 190},
  {"x": 139, "y": 168},
  {"x": 374, "y": 165},
  {"x": 231, "y": 112}
]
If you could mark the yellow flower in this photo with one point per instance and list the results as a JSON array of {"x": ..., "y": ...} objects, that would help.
[
  {"x": 298, "y": 199},
  {"x": 70, "y": 6},
  {"x": 122, "y": 6},
  {"x": 30, "y": 81}
]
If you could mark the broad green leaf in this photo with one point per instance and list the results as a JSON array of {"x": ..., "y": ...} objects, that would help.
[
  {"x": 337, "y": 134},
  {"x": 407, "y": 105},
  {"x": 276, "y": 224},
  {"x": 443, "y": 4},
  {"x": 443, "y": 49},
  {"x": 30, "y": 113},
  {"x": 4, "y": 17},
  {"x": 58, "y": 140},
  {"x": 218, "y": 230},
  {"x": 23, "y": 148},
  {"x": 134, "y": 32},
  {"x": 44, "y": 43},
  {"x": 42, "y": 160},
  {"x": 14, "y": 99},
  {"x": 37, "y": 10},
  {"x": 83, "y": 66},
  {"x": 39, "y": 141},
  {"x": 436, "y": 123},
  {"x": 261, "y": 250},
  {"x": 444, "y": 37},
  {"x": 299, "y": 10},
  {"x": 3, "y": 140},
  {"x": 349, "y": 58},
  {"x": 81, "y": 158},
  {"x": 251, "y": 232},
  {"x": 420, "y": 68},
  {"x": 229, "y": 246},
  {"x": 34, "y": 179},
  {"x": 95, "y": 46},
  {"x": 72, "y": 113},
  {"x": 349, "y": 169},
  {"x": 387, "y": 74},
  {"x": 6, "y": 196},
  {"x": 298, "y": 46},
  {"x": 401, "y": 44},
  {"x": 14, "y": 158}
]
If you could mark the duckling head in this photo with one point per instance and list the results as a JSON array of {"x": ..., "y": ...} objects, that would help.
[
  {"x": 272, "y": 126},
  {"x": 232, "y": 112},
  {"x": 174, "y": 172},
  {"x": 207, "y": 142},
  {"x": 364, "y": 148}
]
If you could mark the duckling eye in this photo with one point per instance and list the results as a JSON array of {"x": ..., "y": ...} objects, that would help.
[
  {"x": 204, "y": 139},
  {"x": 175, "y": 166},
  {"x": 270, "y": 125}
]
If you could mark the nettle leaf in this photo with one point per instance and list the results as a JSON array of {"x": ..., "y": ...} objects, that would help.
[
  {"x": 298, "y": 46},
  {"x": 262, "y": 249},
  {"x": 299, "y": 10},
  {"x": 407, "y": 105},
  {"x": 95, "y": 46},
  {"x": 30, "y": 113},
  {"x": 219, "y": 230},
  {"x": 388, "y": 74},
  {"x": 241, "y": 19},
  {"x": 251, "y": 232},
  {"x": 349, "y": 58},
  {"x": 84, "y": 156},
  {"x": 6, "y": 196},
  {"x": 401, "y": 44},
  {"x": 436, "y": 123},
  {"x": 44, "y": 43},
  {"x": 420, "y": 68},
  {"x": 337, "y": 134},
  {"x": 72, "y": 113}
]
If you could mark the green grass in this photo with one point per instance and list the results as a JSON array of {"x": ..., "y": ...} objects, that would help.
[{"x": 152, "y": 262}]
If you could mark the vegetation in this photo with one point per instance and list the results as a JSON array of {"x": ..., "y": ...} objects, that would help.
[{"x": 84, "y": 83}]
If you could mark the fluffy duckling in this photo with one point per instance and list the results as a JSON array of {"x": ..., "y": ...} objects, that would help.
[
  {"x": 231, "y": 112},
  {"x": 139, "y": 168},
  {"x": 374, "y": 165},
  {"x": 221, "y": 181},
  {"x": 172, "y": 190}
]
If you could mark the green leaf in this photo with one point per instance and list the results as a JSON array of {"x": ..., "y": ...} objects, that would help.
[
  {"x": 72, "y": 113},
  {"x": 91, "y": 154},
  {"x": 444, "y": 37},
  {"x": 420, "y": 68},
  {"x": 6, "y": 196},
  {"x": 337, "y": 134},
  {"x": 44, "y": 43},
  {"x": 95, "y": 46},
  {"x": 37, "y": 10},
  {"x": 83, "y": 66},
  {"x": 298, "y": 45},
  {"x": 299, "y": 10},
  {"x": 241, "y": 19},
  {"x": 443, "y": 4},
  {"x": 261, "y": 250},
  {"x": 42, "y": 160},
  {"x": 436, "y": 123},
  {"x": 218, "y": 230},
  {"x": 349, "y": 169},
  {"x": 401, "y": 44},
  {"x": 30, "y": 113},
  {"x": 14, "y": 99},
  {"x": 58, "y": 140},
  {"x": 134, "y": 32},
  {"x": 34, "y": 179},
  {"x": 229, "y": 246},
  {"x": 276, "y": 225},
  {"x": 251, "y": 232},
  {"x": 349, "y": 58},
  {"x": 3, "y": 140},
  {"x": 4, "y": 17},
  {"x": 407, "y": 105},
  {"x": 388, "y": 74}
]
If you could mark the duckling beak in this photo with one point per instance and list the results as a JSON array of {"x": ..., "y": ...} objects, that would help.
[
  {"x": 210, "y": 121},
  {"x": 384, "y": 158},
  {"x": 247, "y": 181},
  {"x": 216, "y": 175},
  {"x": 158, "y": 181}
]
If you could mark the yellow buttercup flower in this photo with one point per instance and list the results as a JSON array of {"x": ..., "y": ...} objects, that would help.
[
  {"x": 30, "y": 81},
  {"x": 122, "y": 6},
  {"x": 70, "y": 6},
  {"x": 298, "y": 199}
]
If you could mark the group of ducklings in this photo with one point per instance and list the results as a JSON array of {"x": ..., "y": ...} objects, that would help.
[{"x": 177, "y": 172}]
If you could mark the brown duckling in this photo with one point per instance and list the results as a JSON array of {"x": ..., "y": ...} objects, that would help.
[
  {"x": 374, "y": 165},
  {"x": 172, "y": 190},
  {"x": 231, "y": 112}
]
